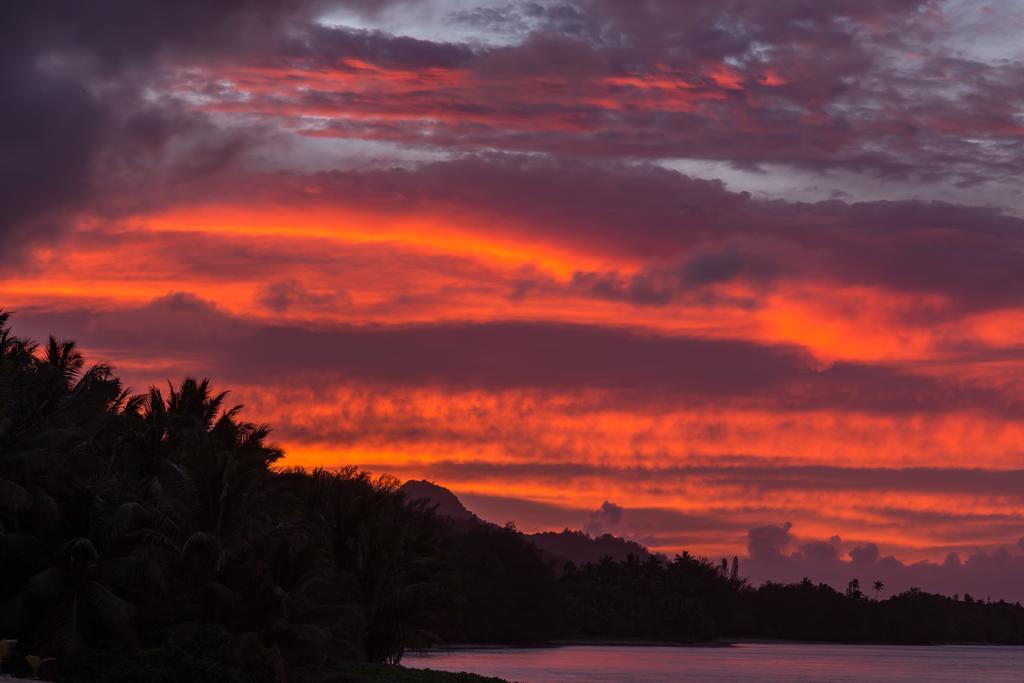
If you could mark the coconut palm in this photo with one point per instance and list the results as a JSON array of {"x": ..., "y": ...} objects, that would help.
[{"x": 122, "y": 516}]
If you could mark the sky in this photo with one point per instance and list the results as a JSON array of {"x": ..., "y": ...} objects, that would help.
[{"x": 732, "y": 277}]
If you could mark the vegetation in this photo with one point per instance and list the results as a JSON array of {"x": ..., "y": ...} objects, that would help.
[
  {"x": 150, "y": 537},
  {"x": 132, "y": 522},
  {"x": 690, "y": 599}
]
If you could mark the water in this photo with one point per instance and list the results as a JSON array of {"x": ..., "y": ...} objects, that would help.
[{"x": 761, "y": 663}]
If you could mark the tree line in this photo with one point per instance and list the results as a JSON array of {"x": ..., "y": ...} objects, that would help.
[
  {"x": 134, "y": 522},
  {"x": 154, "y": 536}
]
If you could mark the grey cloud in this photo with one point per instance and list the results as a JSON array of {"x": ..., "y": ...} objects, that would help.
[
  {"x": 776, "y": 555},
  {"x": 604, "y": 520},
  {"x": 282, "y": 295},
  {"x": 78, "y": 120},
  {"x": 765, "y": 476}
]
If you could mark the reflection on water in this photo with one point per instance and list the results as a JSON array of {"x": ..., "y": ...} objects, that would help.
[{"x": 774, "y": 663}]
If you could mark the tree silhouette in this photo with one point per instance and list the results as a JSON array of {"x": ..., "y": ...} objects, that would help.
[
  {"x": 125, "y": 516},
  {"x": 136, "y": 528}
]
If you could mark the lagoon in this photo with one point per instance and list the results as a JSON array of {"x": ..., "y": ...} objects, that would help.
[{"x": 757, "y": 662}]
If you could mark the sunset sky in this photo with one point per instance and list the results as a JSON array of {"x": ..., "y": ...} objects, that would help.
[{"x": 735, "y": 277}]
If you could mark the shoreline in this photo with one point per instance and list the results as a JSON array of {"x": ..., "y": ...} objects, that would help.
[
  {"x": 583, "y": 642},
  {"x": 469, "y": 647}
]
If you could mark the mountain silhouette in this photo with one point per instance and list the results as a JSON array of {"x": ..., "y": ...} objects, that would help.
[
  {"x": 445, "y": 503},
  {"x": 581, "y": 548},
  {"x": 577, "y": 547}
]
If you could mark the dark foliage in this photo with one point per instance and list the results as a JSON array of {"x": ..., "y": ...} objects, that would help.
[
  {"x": 581, "y": 548},
  {"x": 686, "y": 599},
  {"x": 127, "y": 523},
  {"x": 150, "y": 537},
  {"x": 691, "y": 599},
  {"x": 511, "y": 593},
  {"x": 507, "y": 591}
]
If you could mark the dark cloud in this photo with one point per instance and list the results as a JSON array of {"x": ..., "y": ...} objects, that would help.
[
  {"x": 727, "y": 264},
  {"x": 99, "y": 69},
  {"x": 864, "y": 87},
  {"x": 687, "y": 282},
  {"x": 760, "y": 475},
  {"x": 80, "y": 118},
  {"x": 638, "y": 367},
  {"x": 491, "y": 355},
  {"x": 637, "y": 209},
  {"x": 642, "y": 290},
  {"x": 715, "y": 29},
  {"x": 283, "y": 295},
  {"x": 82, "y": 79},
  {"x": 521, "y": 18},
  {"x": 320, "y": 46},
  {"x": 696, "y": 233}
]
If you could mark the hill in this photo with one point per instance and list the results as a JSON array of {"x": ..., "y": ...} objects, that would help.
[
  {"x": 581, "y": 548},
  {"x": 577, "y": 547},
  {"x": 445, "y": 503}
]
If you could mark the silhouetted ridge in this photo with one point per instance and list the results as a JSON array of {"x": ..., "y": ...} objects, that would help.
[
  {"x": 577, "y": 547},
  {"x": 444, "y": 502},
  {"x": 580, "y": 548}
]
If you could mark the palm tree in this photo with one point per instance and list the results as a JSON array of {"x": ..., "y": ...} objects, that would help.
[
  {"x": 123, "y": 515},
  {"x": 68, "y": 603},
  {"x": 879, "y": 587}
]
